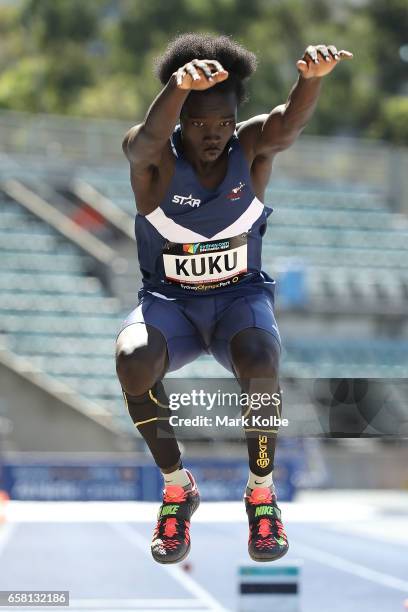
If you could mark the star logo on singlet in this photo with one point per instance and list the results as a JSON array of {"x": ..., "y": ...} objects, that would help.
[{"x": 193, "y": 202}]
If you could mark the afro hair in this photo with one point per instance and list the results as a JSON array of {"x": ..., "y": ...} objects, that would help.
[{"x": 238, "y": 61}]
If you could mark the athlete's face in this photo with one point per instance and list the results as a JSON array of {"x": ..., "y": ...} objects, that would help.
[{"x": 207, "y": 123}]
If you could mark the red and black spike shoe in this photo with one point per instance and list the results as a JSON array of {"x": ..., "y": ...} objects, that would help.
[
  {"x": 171, "y": 537},
  {"x": 267, "y": 538}
]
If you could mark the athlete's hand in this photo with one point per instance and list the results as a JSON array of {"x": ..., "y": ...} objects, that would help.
[
  {"x": 200, "y": 74},
  {"x": 319, "y": 60}
]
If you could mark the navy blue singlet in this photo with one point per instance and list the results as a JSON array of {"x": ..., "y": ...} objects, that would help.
[{"x": 199, "y": 241}]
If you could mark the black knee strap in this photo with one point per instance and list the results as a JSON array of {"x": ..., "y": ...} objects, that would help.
[
  {"x": 152, "y": 405},
  {"x": 150, "y": 414}
]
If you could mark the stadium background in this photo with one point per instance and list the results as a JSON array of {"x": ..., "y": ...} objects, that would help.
[{"x": 74, "y": 77}]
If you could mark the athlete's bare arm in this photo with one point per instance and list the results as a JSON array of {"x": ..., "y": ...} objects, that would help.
[
  {"x": 263, "y": 136},
  {"x": 147, "y": 145}
]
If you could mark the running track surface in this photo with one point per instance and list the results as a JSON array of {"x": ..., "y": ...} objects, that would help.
[{"x": 353, "y": 547}]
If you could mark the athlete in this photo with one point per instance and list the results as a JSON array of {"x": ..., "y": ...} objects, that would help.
[{"x": 199, "y": 181}]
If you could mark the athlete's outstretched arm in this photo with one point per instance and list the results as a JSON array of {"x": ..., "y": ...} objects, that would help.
[
  {"x": 269, "y": 134},
  {"x": 143, "y": 144}
]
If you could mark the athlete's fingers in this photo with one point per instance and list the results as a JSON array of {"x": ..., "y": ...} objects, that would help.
[
  {"x": 200, "y": 74},
  {"x": 220, "y": 76},
  {"x": 206, "y": 69},
  {"x": 345, "y": 54},
  {"x": 334, "y": 52},
  {"x": 312, "y": 53},
  {"x": 191, "y": 69},
  {"x": 218, "y": 73},
  {"x": 180, "y": 74},
  {"x": 322, "y": 49},
  {"x": 218, "y": 67},
  {"x": 302, "y": 66}
]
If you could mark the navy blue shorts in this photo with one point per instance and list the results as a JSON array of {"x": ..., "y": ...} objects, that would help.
[{"x": 192, "y": 327}]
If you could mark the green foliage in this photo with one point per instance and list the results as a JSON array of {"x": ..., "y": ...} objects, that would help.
[
  {"x": 41, "y": 84},
  {"x": 21, "y": 87},
  {"x": 55, "y": 22},
  {"x": 116, "y": 96},
  {"x": 390, "y": 18},
  {"x": 95, "y": 57},
  {"x": 392, "y": 123},
  {"x": 11, "y": 39}
]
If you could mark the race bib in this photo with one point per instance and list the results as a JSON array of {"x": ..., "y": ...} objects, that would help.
[{"x": 201, "y": 266}]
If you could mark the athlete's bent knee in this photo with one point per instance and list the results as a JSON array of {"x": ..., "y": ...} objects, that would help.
[
  {"x": 141, "y": 358},
  {"x": 256, "y": 357}
]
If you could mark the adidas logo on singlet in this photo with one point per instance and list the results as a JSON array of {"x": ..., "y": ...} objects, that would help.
[{"x": 194, "y": 202}]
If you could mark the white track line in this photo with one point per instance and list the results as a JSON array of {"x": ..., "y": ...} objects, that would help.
[
  {"x": 395, "y": 532},
  {"x": 352, "y": 568},
  {"x": 136, "y": 512},
  {"x": 136, "y": 604},
  {"x": 185, "y": 581},
  {"x": 117, "y": 603}
]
